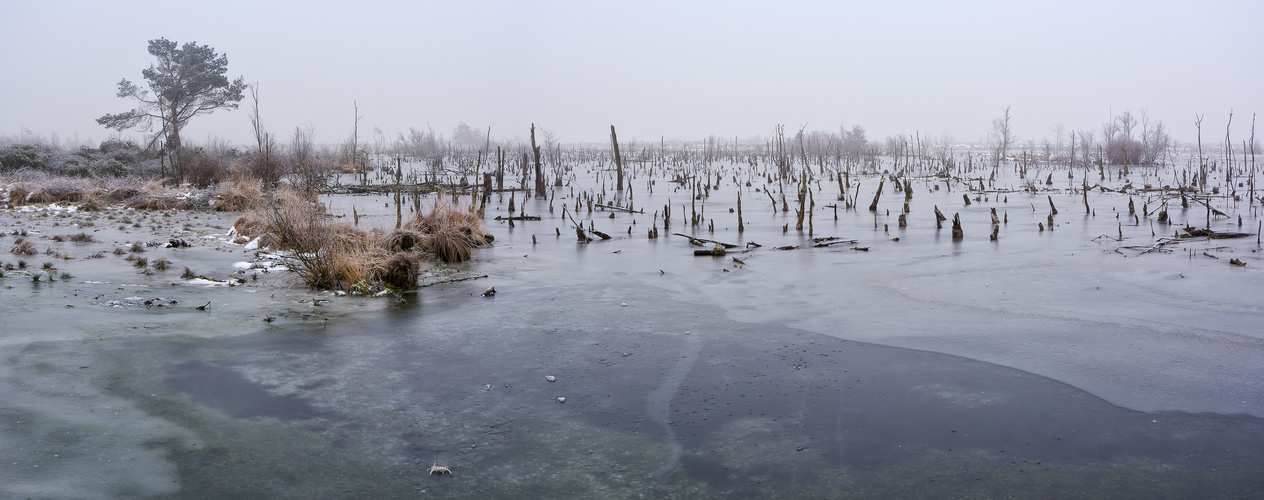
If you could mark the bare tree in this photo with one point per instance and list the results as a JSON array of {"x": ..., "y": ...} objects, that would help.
[
  {"x": 188, "y": 81},
  {"x": 1154, "y": 138},
  {"x": 264, "y": 165},
  {"x": 1087, "y": 141},
  {"x": 1127, "y": 123},
  {"x": 307, "y": 172},
  {"x": 355, "y": 144},
  {"x": 1059, "y": 131},
  {"x": 466, "y": 136},
  {"x": 1003, "y": 136}
]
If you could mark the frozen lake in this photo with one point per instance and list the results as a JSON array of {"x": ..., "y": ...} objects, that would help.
[{"x": 1059, "y": 361}]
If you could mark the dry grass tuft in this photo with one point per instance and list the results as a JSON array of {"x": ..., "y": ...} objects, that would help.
[
  {"x": 122, "y": 193},
  {"x": 250, "y": 225},
  {"x": 239, "y": 195},
  {"x": 451, "y": 232},
  {"x": 449, "y": 245},
  {"x": 23, "y": 247},
  {"x": 55, "y": 194},
  {"x": 334, "y": 255},
  {"x": 91, "y": 203},
  {"x": 400, "y": 271},
  {"x": 402, "y": 240},
  {"x": 151, "y": 204},
  {"x": 18, "y": 194}
]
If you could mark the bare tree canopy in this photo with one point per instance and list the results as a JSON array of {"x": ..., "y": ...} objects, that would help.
[
  {"x": 1003, "y": 135},
  {"x": 186, "y": 81}
]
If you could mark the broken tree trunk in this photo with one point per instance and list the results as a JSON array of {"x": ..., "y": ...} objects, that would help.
[
  {"x": 539, "y": 169},
  {"x": 873, "y": 207},
  {"x": 618, "y": 160}
]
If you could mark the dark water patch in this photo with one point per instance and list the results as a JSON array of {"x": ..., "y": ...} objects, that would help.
[
  {"x": 227, "y": 390},
  {"x": 783, "y": 398}
]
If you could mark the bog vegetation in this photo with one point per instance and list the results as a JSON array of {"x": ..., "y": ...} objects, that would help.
[{"x": 277, "y": 181}]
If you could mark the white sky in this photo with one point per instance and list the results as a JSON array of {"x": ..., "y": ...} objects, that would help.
[{"x": 683, "y": 70}]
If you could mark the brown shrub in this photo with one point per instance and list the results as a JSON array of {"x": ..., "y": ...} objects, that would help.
[
  {"x": 267, "y": 168},
  {"x": 202, "y": 168}
]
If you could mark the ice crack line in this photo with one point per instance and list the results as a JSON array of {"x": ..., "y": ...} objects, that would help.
[{"x": 659, "y": 402}]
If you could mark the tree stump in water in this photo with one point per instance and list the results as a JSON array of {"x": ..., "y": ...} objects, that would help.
[{"x": 873, "y": 207}]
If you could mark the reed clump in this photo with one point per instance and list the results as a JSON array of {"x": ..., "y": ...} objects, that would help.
[
  {"x": 451, "y": 233},
  {"x": 329, "y": 254}
]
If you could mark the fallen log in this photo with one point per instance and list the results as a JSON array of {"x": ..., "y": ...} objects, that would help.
[
  {"x": 620, "y": 209},
  {"x": 826, "y": 244},
  {"x": 1190, "y": 232},
  {"x": 715, "y": 251},
  {"x": 454, "y": 280},
  {"x": 518, "y": 217},
  {"x": 701, "y": 241}
]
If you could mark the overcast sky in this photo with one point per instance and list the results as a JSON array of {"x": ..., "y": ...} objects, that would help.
[{"x": 680, "y": 70}]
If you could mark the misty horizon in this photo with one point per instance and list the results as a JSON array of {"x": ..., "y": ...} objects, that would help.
[{"x": 657, "y": 72}]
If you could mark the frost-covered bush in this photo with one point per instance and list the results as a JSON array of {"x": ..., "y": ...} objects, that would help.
[
  {"x": 115, "y": 161},
  {"x": 23, "y": 157}
]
